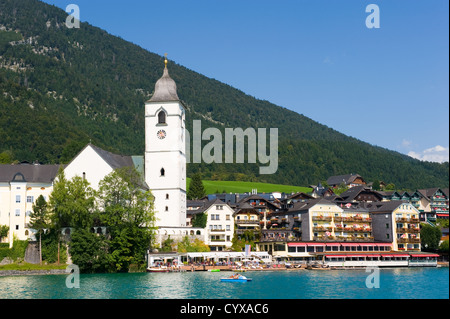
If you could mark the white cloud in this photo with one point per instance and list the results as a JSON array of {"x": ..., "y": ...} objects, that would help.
[
  {"x": 406, "y": 143},
  {"x": 437, "y": 153}
]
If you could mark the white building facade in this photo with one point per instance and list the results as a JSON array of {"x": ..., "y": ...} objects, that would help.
[
  {"x": 219, "y": 226},
  {"x": 20, "y": 186}
]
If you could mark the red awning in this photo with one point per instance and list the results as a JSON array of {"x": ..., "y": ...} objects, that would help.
[
  {"x": 384, "y": 244},
  {"x": 316, "y": 244},
  {"x": 333, "y": 244},
  {"x": 350, "y": 244},
  {"x": 335, "y": 256},
  {"x": 442, "y": 215}
]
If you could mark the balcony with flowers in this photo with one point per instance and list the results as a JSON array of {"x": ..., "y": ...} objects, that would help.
[{"x": 322, "y": 218}]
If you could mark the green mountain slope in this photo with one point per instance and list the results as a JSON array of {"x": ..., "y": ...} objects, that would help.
[{"x": 61, "y": 88}]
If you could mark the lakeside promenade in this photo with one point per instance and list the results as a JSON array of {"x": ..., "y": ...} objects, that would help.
[{"x": 195, "y": 268}]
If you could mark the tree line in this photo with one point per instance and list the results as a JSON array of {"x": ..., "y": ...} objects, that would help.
[{"x": 121, "y": 209}]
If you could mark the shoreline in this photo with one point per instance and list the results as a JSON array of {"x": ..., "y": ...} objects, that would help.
[{"x": 43, "y": 272}]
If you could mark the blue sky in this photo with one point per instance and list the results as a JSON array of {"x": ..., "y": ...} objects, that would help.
[{"x": 386, "y": 86}]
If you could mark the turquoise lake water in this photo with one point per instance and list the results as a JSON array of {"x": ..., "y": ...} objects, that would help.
[{"x": 398, "y": 283}]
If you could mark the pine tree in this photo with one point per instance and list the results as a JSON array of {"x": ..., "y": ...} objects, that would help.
[{"x": 196, "y": 188}]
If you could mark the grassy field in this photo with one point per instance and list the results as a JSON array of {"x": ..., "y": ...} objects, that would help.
[{"x": 213, "y": 187}]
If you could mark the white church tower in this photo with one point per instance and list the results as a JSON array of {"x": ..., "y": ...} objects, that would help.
[{"x": 165, "y": 158}]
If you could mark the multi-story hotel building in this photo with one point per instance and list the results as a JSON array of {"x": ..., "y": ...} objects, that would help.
[{"x": 313, "y": 227}]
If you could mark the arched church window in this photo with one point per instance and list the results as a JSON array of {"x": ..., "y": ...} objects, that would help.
[
  {"x": 163, "y": 172},
  {"x": 162, "y": 117}
]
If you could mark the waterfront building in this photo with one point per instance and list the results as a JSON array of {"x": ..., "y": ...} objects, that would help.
[
  {"x": 224, "y": 257},
  {"x": 397, "y": 222},
  {"x": 219, "y": 228},
  {"x": 422, "y": 203},
  {"x": 263, "y": 206},
  {"x": 248, "y": 219},
  {"x": 438, "y": 200},
  {"x": 20, "y": 186},
  {"x": 379, "y": 259},
  {"x": 354, "y": 223}
]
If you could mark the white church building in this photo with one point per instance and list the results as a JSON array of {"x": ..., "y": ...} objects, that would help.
[{"x": 163, "y": 167}]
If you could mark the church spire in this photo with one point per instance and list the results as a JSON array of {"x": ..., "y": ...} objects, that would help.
[{"x": 165, "y": 87}]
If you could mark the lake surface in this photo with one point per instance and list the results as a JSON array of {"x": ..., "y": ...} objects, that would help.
[{"x": 398, "y": 283}]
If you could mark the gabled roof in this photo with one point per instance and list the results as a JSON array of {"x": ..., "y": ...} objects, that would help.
[
  {"x": 404, "y": 193},
  {"x": 28, "y": 173},
  {"x": 113, "y": 160},
  {"x": 339, "y": 179},
  {"x": 429, "y": 192},
  {"x": 303, "y": 206},
  {"x": 382, "y": 207},
  {"x": 301, "y": 195},
  {"x": 255, "y": 196},
  {"x": 205, "y": 205},
  {"x": 352, "y": 193},
  {"x": 116, "y": 161},
  {"x": 245, "y": 205}
]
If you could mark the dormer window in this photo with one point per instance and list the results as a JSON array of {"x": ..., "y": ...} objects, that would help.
[{"x": 162, "y": 117}]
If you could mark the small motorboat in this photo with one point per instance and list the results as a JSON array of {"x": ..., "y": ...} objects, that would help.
[
  {"x": 214, "y": 270},
  {"x": 158, "y": 269},
  {"x": 236, "y": 278}
]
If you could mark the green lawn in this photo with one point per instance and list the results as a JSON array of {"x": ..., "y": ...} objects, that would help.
[
  {"x": 28, "y": 267},
  {"x": 244, "y": 187}
]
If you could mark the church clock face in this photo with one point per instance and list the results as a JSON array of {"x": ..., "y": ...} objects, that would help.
[{"x": 161, "y": 134}]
